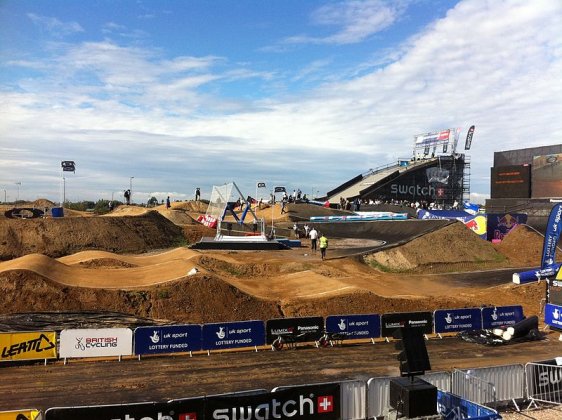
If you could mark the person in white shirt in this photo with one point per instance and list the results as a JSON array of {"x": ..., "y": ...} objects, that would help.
[{"x": 313, "y": 238}]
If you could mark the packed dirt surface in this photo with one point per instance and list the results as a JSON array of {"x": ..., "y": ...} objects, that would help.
[
  {"x": 134, "y": 261},
  {"x": 127, "y": 261}
]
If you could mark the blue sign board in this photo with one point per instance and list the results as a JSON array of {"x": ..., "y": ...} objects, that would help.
[
  {"x": 498, "y": 316},
  {"x": 355, "y": 326},
  {"x": 229, "y": 335},
  {"x": 456, "y": 320},
  {"x": 553, "y": 315},
  {"x": 167, "y": 339}
]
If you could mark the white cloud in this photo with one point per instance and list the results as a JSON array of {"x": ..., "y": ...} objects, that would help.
[
  {"x": 55, "y": 26},
  {"x": 121, "y": 111},
  {"x": 357, "y": 20}
]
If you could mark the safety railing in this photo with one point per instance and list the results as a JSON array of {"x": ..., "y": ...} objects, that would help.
[
  {"x": 472, "y": 388},
  {"x": 544, "y": 383},
  {"x": 508, "y": 380}
]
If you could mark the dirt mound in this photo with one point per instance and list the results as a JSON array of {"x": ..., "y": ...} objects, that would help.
[
  {"x": 198, "y": 299},
  {"x": 523, "y": 247},
  {"x": 452, "y": 244},
  {"x": 43, "y": 203},
  {"x": 62, "y": 236}
]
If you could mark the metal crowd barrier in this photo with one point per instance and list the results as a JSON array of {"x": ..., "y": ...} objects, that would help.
[
  {"x": 472, "y": 388},
  {"x": 353, "y": 404},
  {"x": 544, "y": 383},
  {"x": 378, "y": 391},
  {"x": 509, "y": 381}
]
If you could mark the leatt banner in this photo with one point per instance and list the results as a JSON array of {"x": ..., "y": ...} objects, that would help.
[
  {"x": 20, "y": 415},
  {"x": 306, "y": 402},
  {"x": 28, "y": 345},
  {"x": 100, "y": 342}
]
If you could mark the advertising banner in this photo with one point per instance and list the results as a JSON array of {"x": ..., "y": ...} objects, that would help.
[
  {"x": 100, "y": 342},
  {"x": 231, "y": 335},
  {"x": 355, "y": 326},
  {"x": 209, "y": 221},
  {"x": 552, "y": 236},
  {"x": 553, "y": 315},
  {"x": 476, "y": 223},
  {"x": 498, "y": 316},
  {"x": 167, "y": 339},
  {"x": 390, "y": 322},
  {"x": 300, "y": 329},
  {"x": 499, "y": 225},
  {"x": 456, "y": 320},
  {"x": 469, "y": 135},
  {"x": 20, "y": 415},
  {"x": 28, "y": 345},
  {"x": 432, "y": 139},
  {"x": 307, "y": 402},
  {"x": 189, "y": 409}
]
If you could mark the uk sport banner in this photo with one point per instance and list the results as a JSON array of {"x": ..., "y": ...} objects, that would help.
[
  {"x": 469, "y": 138},
  {"x": 552, "y": 236}
]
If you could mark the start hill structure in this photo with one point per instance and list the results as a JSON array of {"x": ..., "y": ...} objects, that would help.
[{"x": 435, "y": 173}]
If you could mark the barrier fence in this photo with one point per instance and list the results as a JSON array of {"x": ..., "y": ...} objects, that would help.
[
  {"x": 544, "y": 382},
  {"x": 472, "y": 388},
  {"x": 348, "y": 400},
  {"x": 325, "y": 401},
  {"x": 109, "y": 342}
]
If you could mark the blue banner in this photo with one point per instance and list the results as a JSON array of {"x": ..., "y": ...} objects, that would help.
[
  {"x": 498, "y": 316},
  {"x": 552, "y": 236},
  {"x": 456, "y": 320},
  {"x": 536, "y": 274},
  {"x": 499, "y": 225},
  {"x": 167, "y": 339},
  {"x": 553, "y": 315},
  {"x": 355, "y": 326},
  {"x": 229, "y": 335}
]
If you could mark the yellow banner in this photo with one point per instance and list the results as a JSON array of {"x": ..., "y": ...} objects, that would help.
[
  {"x": 28, "y": 346},
  {"x": 20, "y": 415}
]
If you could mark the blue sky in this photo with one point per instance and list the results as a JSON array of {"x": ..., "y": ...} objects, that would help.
[{"x": 307, "y": 94}]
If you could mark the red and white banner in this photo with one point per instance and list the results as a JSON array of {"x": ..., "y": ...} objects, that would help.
[
  {"x": 96, "y": 342},
  {"x": 208, "y": 221}
]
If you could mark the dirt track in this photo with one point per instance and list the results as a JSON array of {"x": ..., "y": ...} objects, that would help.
[{"x": 136, "y": 277}]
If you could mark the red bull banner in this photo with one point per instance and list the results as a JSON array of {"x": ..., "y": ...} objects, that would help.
[
  {"x": 499, "y": 225},
  {"x": 475, "y": 222}
]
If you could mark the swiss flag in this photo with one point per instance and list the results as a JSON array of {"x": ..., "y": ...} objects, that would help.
[
  {"x": 188, "y": 416},
  {"x": 325, "y": 404}
]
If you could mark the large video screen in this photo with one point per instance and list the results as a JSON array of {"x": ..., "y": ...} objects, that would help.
[
  {"x": 547, "y": 176},
  {"x": 511, "y": 182}
]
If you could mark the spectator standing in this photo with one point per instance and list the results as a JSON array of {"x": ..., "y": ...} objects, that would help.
[
  {"x": 306, "y": 229},
  {"x": 284, "y": 204},
  {"x": 296, "y": 230},
  {"x": 127, "y": 195},
  {"x": 197, "y": 194},
  {"x": 313, "y": 238},
  {"x": 168, "y": 202},
  {"x": 323, "y": 245}
]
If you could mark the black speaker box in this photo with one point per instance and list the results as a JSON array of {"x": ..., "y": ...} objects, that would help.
[{"x": 413, "y": 397}]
